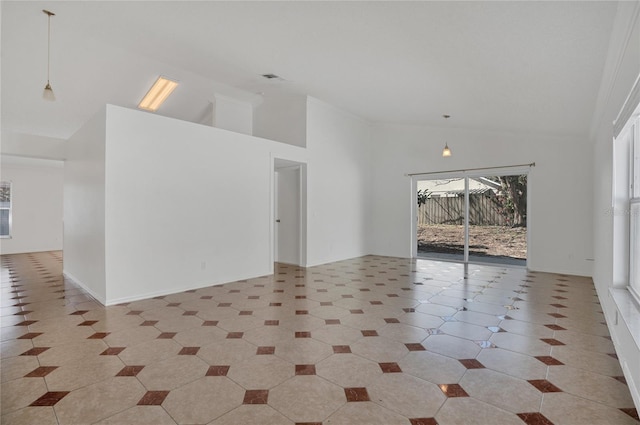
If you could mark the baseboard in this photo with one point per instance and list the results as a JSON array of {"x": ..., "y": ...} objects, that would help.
[{"x": 78, "y": 282}]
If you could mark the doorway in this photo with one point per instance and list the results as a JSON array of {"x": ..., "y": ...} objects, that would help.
[
  {"x": 289, "y": 218},
  {"x": 471, "y": 217}
]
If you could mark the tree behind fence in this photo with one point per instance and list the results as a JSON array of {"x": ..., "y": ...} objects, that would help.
[{"x": 483, "y": 211}]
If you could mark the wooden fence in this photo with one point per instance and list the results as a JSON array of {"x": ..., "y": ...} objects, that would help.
[{"x": 483, "y": 211}]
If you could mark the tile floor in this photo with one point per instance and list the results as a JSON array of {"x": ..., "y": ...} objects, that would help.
[{"x": 372, "y": 340}]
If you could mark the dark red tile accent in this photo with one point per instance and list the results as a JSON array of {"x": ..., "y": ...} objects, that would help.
[
  {"x": 453, "y": 390},
  {"x": 218, "y": 370},
  {"x": 275, "y": 304},
  {"x": 392, "y": 295},
  {"x": 224, "y": 305},
  {"x": 112, "y": 351},
  {"x": 190, "y": 313},
  {"x": 20, "y": 304},
  {"x": 390, "y": 368},
  {"x": 322, "y": 290},
  {"x": 369, "y": 332},
  {"x": 149, "y": 323},
  {"x": 30, "y": 335},
  {"x": 253, "y": 297},
  {"x": 559, "y": 297},
  {"x": 471, "y": 364},
  {"x": 35, "y": 351},
  {"x": 391, "y": 320},
  {"x": 301, "y": 312},
  {"x": 256, "y": 397},
  {"x": 409, "y": 310},
  {"x": 206, "y": 297},
  {"x": 555, "y": 327},
  {"x": 134, "y": 312},
  {"x": 308, "y": 423},
  {"x": 620, "y": 379},
  {"x": 245, "y": 313},
  {"x": 332, "y": 322},
  {"x": 88, "y": 323},
  {"x": 26, "y": 323},
  {"x": 325, "y": 303},
  {"x": 414, "y": 346},
  {"x": 99, "y": 335},
  {"x": 301, "y": 297},
  {"x": 423, "y": 421},
  {"x": 130, "y": 370},
  {"x": 235, "y": 335},
  {"x": 341, "y": 349},
  {"x": 189, "y": 351},
  {"x": 347, "y": 296},
  {"x": 534, "y": 418},
  {"x": 279, "y": 291},
  {"x": 305, "y": 369},
  {"x": 544, "y": 386},
  {"x": 556, "y": 315},
  {"x": 631, "y": 412},
  {"x": 22, "y": 313},
  {"x": 549, "y": 361},
  {"x": 552, "y": 341},
  {"x": 153, "y": 398},
  {"x": 166, "y": 335},
  {"x": 50, "y": 398},
  {"x": 173, "y": 304},
  {"x": 266, "y": 350},
  {"x": 356, "y": 311},
  {"x": 40, "y": 372},
  {"x": 209, "y": 323},
  {"x": 375, "y": 302},
  {"x": 304, "y": 334},
  {"x": 356, "y": 394},
  {"x": 558, "y": 305}
]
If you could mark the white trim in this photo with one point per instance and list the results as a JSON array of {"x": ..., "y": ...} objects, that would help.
[
  {"x": 629, "y": 106},
  {"x": 81, "y": 284}
]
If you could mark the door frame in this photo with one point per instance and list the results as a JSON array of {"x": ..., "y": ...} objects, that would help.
[{"x": 279, "y": 163}]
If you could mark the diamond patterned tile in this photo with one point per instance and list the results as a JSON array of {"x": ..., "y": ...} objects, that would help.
[
  {"x": 50, "y": 398},
  {"x": 287, "y": 340},
  {"x": 153, "y": 398},
  {"x": 356, "y": 394}
]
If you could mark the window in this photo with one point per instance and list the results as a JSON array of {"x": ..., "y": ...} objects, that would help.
[{"x": 5, "y": 210}]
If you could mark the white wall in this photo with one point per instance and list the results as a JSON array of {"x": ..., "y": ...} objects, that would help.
[
  {"x": 339, "y": 182},
  {"x": 560, "y": 193},
  {"x": 623, "y": 67},
  {"x": 282, "y": 118},
  {"x": 33, "y": 146},
  {"x": 84, "y": 207},
  {"x": 186, "y": 205},
  {"x": 232, "y": 114},
  {"x": 36, "y": 197}
]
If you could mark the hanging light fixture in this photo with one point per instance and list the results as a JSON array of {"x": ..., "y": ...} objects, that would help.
[
  {"x": 446, "y": 152},
  {"x": 47, "y": 94}
]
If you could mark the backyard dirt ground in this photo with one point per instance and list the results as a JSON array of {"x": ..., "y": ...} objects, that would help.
[{"x": 483, "y": 240}]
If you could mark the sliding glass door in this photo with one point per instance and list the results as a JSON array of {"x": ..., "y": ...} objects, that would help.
[{"x": 470, "y": 217}]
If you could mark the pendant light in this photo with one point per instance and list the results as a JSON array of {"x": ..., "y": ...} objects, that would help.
[
  {"x": 47, "y": 94},
  {"x": 446, "y": 152}
]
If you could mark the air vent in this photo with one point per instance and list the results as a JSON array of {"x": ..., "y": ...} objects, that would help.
[{"x": 270, "y": 76}]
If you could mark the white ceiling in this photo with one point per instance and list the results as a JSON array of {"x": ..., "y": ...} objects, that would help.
[{"x": 513, "y": 66}]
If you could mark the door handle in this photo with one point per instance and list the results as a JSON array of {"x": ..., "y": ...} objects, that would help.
[{"x": 278, "y": 221}]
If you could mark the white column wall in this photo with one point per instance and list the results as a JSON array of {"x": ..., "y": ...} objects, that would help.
[
  {"x": 84, "y": 207},
  {"x": 560, "y": 192},
  {"x": 36, "y": 198},
  {"x": 186, "y": 205},
  {"x": 339, "y": 182}
]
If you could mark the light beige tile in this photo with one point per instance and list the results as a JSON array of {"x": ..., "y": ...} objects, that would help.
[
  {"x": 432, "y": 367},
  {"x": 307, "y": 398},
  {"x": 469, "y": 411},
  {"x": 406, "y": 395},
  {"x": 348, "y": 370},
  {"x": 188, "y": 406},
  {"x": 500, "y": 390},
  {"x": 252, "y": 414},
  {"x": 43, "y": 415},
  {"x": 567, "y": 409},
  {"x": 366, "y": 413}
]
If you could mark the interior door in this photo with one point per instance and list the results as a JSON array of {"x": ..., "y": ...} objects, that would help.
[{"x": 287, "y": 248}]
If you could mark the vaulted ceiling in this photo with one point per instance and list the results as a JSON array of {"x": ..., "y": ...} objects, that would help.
[{"x": 513, "y": 66}]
